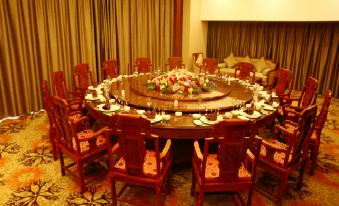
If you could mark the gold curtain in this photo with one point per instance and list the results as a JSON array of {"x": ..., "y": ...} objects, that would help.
[
  {"x": 41, "y": 36},
  {"x": 308, "y": 49}
]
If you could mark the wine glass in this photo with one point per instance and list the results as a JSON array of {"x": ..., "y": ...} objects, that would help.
[{"x": 149, "y": 102}]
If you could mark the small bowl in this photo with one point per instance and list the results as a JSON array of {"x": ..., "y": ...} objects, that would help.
[
  {"x": 196, "y": 116},
  {"x": 166, "y": 117},
  {"x": 140, "y": 112},
  {"x": 178, "y": 114}
]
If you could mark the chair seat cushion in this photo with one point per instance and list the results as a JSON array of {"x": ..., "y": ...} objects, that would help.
[
  {"x": 278, "y": 157},
  {"x": 291, "y": 128},
  {"x": 212, "y": 169},
  {"x": 84, "y": 146},
  {"x": 149, "y": 167}
]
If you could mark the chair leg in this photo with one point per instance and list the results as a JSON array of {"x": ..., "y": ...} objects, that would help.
[
  {"x": 201, "y": 197},
  {"x": 193, "y": 184},
  {"x": 315, "y": 153},
  {"x": 81, "y": 177},
  {"x": 301, "y": 175},
  {"x": 281, "y": 189},
  {"x": 62, "y": 163},
  {"x": 250, "y": 195},
  {"x": 158, "y": 194},
  {"x": 113, "y": 192}
]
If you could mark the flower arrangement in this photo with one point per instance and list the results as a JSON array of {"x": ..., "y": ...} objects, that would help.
[{"x": 179, "y": 81}]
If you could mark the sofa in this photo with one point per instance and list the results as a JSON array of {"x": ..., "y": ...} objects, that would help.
[{"x": 264, "y": 68}]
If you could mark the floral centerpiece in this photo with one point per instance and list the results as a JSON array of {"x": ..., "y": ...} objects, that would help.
[{"x": 179, "y": 81}]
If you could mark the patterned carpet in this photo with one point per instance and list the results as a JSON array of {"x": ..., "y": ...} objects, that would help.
[{"x": 29, "y": 176}]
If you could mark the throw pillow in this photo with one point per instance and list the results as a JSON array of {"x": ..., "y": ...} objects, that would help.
[
  {"x": 260, "y": 65},
  {"x": 230, "y": 61},
  {"x": 247, "y": 59}
]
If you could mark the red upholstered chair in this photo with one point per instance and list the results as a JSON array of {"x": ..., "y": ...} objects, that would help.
[
  {"x": 143, "y": 65},
  {"x": 282, "y": 83},
  {"x": 308, "y": 97},
  {"x": 232, "y": 168},
  {"x": 315, "y": 138},
  {"x": 110, "y": 68},
  {"x": 281, "y": 159},
  {"x": 74, "y": 99},
  {"x": 48, "y": 105},
  {"x": 245, "y": 71},
  {"x": 209, "y": 65},
  {"x": 78, "y": 142},
  {"x": 134, "y": 164},
  {"x": 174, "y": 62},
  {"x": 82, "y": 77}
]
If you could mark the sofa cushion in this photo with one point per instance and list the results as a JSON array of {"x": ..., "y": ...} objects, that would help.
[
  {"x": 247, "y": 60},
  {"x": 230, "y": 61},
  {"x": 260, "y": 65}
]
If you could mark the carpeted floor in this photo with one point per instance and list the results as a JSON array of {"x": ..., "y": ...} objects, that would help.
[{"x": 29, "y": 176}]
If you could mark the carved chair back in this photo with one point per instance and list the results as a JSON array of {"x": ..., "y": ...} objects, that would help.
[
  {"x": 132, "y": 131},
  {"x": 232, "y": 147},
  {"x": 174, "y": 62},
  {"x": 209, "y": 65},
  {"x": 309, "y": 93},
  {"x": 59, "y": 84},
  {"x": 302, "y": 134},
  {"x": 246, "y": 69},
  {"x": 284, "y": 81},
  {"x": 82, "y": 77},
  {"x": 110, "y": 68},
  {"x": 323, "y": 112},
  {"x": 143, "y": 64}
]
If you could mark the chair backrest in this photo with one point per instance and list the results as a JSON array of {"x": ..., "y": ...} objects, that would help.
[
  {"x": 309, "y": 93},
  {"x": 110, "y": 68},
  {"x": 65, "y": 131},
  {"x": 283, "y": 78},
  {"x": 59, "y": 84},
  {"x": 82, "y": 76},
  {"x": 47, "y": 101},
  {"x": 303, "y": 132},
  {"x": 143, "y": 64},
  {"x": 245, "y": 71},
  {"x": 210, "y": 65},
  {"x": 174, "y": 62},
  {"x": 232, "y": 148},
  {"x": 132, "y": 131},
  {"x": 323, "y": 112}
]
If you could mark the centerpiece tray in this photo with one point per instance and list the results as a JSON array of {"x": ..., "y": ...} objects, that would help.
[{"x": 220, "y": 89}]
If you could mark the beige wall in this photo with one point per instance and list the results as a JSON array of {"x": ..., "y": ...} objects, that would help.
[
  {"x": 194, "y": 31},
  {"x": 270, "y": 10}
]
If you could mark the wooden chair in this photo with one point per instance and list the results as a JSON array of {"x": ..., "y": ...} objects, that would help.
[
  {"x": 78, "y": 142},
  {"x": 82, "y": 77},
  {"x": 110, "y": 69},
  {"x": 232, "y": 168},
  {"x": 308, "y": 97},
  {"x": 282, "y": 83},
  {"x": 74, "y": 99},
  {"x": 281, "y": 159},
  {"x": 315, "y": 138},
  {"x": 143, "y": 65},
  {"x": 174, "y": 62},
  {"x": 48, "y": 105},
  {"x": 134, "y": 164},
  {"x": 209, "y": 65},
  {"x": 245, "y": 71}
]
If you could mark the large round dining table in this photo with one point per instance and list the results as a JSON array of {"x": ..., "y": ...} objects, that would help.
[{"x": 132, "y": 91}]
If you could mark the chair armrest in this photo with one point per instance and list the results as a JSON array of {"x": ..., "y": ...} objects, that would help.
[
  {"x": 290, "y": 122},
  {"x": 166, "y": 149},
  {"x": 283, "y": 130},
  {"x": 197, "y": 150},
  {"x": 275, "y": 145}
]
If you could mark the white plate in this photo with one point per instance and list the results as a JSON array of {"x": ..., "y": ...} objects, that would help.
[
  {"x": 197, "y": 122},
  {"x": 91, "y": 98},
  {"x": 275, "y": 104},
  {"x": 112, "y": 109},
  {"x": 268, "y": 107},
  {"x": 91, "y": 88},
  {"x": 242, "y": 117},
  {"x": 204, "y": 120},
  {"x": 255, "y": 115},
  {"x": 157, "y": 118}
]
